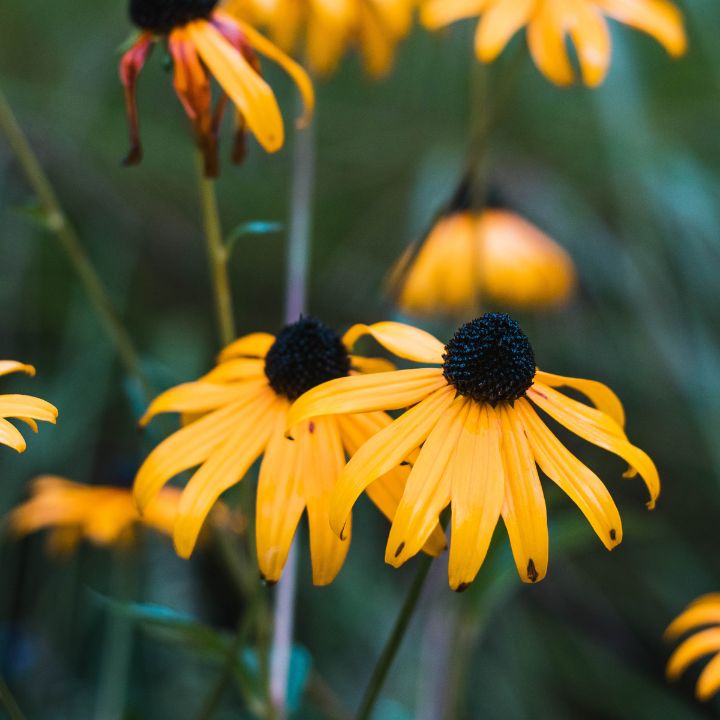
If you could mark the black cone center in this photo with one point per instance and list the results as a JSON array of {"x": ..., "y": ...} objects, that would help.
[{"x": 161, "y": 16}]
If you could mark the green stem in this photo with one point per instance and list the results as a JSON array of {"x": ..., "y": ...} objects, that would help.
[
  {"x": 8, "y": 701},
  {"x": 59, "y": 224},
  {"x": 385, "y": 661},
  {"x": 217, "y": 254}
]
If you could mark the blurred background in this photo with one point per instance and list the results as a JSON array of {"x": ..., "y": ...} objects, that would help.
[{"x": 626, "y": 178}]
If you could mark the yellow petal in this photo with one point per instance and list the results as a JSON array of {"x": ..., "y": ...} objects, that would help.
[
  {"x": 323, "y": 460},
  {"x": 11, "y": 436},
  {"x": 499, "y": 23},
  {"x": 546, "y": 39},
  {"x": 709, "y": 681},
  {"x": 599, "y": 430},
  {"x": 693, "y": 617},
  {"x": 477, "y": 491},
  {"x": 230, "y": 371},
  {"x": 27, "y": 406},
  {"x": 255, "y": 345},
  {"x": 524, "y": 509},
  {"x": 600, "y": 395},
  {"x": 366, "y": 393},
  {"x": 370, "y": 365},
  {"x": 695, "y": 647},
  {"x": 589, "y": 31},
  {"x": 405, "y": 341},
  {"x": 427, "y": 492},
  {"x": 384, "y": 451},
  {"x": 438, "y": 13},
  {"x": 226, "y": 466},
  {"x": 580, "y": 483},
  {"x": 280, "y": 501},
  {"x": 12, "y": 366},
  {"x": 243, "y": 85}
]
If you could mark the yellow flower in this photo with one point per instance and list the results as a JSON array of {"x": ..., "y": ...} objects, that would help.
[
  {"x": 21, "y": 407},
  {"x": 705, "y": 611},
  {"x": 550, "y": 22},
  {"x": 238, "y": 412},
  {"x": 204, "y": 41},
  {"x": 327, "y": 27},
  {"x": 470, "y": 256},
  {"x": 103, "y": 514},
  {"x": 474, "y": 419}
]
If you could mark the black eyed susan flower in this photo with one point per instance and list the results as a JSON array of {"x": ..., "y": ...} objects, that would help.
[
  {"x": 474, "y": 416},
  {"x": 470, "y": 256},
  {"x": 327, "y": 28},
  {"x": 21, "y": 407},
  {"x": 238, "y": 412},
  {"x": 702, "y": 613},
  {"x": 550, "y": 22},
  {"x": 205, "y": 41}
]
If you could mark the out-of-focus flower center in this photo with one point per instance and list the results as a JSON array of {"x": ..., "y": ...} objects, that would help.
[
  {"x": 490, "y": 360},
  {"x": 305, "y": 354},
  {"x": 161, "y": 16}
]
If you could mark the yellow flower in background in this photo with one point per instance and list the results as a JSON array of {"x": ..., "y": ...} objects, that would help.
[
  {"x": 238, "y": 412},
  {"x": 549, "y": 23},
  {"x": 325, "y": 28},
  {"x": 204, "y": 41},
  {"x": 702, "y": 613},
  {"x": 470, "y": 256},
  {"x": 103, "y": 514},
  {"x": 473, "y": 415},
  {"x": 25, "y": 408}
]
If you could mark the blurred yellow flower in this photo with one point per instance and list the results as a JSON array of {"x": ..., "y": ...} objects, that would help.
[
  {"x": 480, "y": 439},
  {"x": 238, "y": 412},
  {"x": 103, "y": 514},
  {"x": 705, "y": 611},
  {"x": 204, "y": 41},
  {"x": 550, "y": 22},
  {"x": 470, "y": 256},
  {"x": 25, "y": 408},
  {"x": 328, "y": 27}
]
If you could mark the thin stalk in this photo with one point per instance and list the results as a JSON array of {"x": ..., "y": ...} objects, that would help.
[
  {"x": 8, "y": 701},
  {"x": 58, "y": 223},
  {"x": 385, "y": 661},
  {"x": 217, "y": 254},
  {"x": 298, "y": 263}
]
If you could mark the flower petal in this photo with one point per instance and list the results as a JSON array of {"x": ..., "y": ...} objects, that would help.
[
  {"x": 11, "y": 436},
  {"x": 427, "y": 491},
  {"x": 402, "y": 340},
  {"x": 695, "y": 647},
  {"x": 12, "y": 366},
  {"x": 524, "y": 509},
  {"x": 546, "y": 39},
  {"x": 693, "y": 617},
  {"x": 234, "y": 370},
  {"x": 498, "y": 24},
  {"x": 709, "y": 681},
  {"x": 589, "y": 31},
  {"x": 370, "y": 365},
  {"x": 255, "y": 345},
  {"x": 477, "y": 490},
  {"x": 26, "y": 406},
  {"x": 575, "y": 479},
  {"x": 438, "y": 13},
  {"x": 366, "y": 393}
]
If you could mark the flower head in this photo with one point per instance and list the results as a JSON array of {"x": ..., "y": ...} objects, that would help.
[
  {"x": 238, "y": 412},
  {"x": 21, "y": 407},
  {"x": 103, "y": 514},
  {"x": 474, "y": 416},
  {"x": 469, "y": 256},
  {"x": 550, "y": 22},
  {"x": 327, "y": 28},
  {"x": 701, "y": 613},
  {"x": 205, "y": 41}
]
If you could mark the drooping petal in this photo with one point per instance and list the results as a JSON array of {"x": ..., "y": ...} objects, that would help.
[
  {"x": 11, "y": 436},
  {"x": 438, "y": 13},
  {"x": 225, "y": 467},
  {"x": 367, "y": 393},
  {"x": 255, "y": 345},
  {"x": 695, "y": 647},
  {"x": 370, "y": 365},
  {"x": 26, "y": 406},
  {"x": 235, "y": 370},
  {"x": 709, "y": 681},
  {"x": 131, "y": 66},
  {"x": 524, "y": 510},
  {"x": 323, "y": 460},
  {"x": 384, "y": 451},
  {"x": 601, "y": 431},
  {"x": 600, "y": 395},
  {"x": 12, "y": 366},
  {"x": 280, "y": 502},
  {"x": 589, "y": 31},
  {"x": 243, "y": 85},
  {"x": 402, "y": 340},
  {"x": 546, "y": 39},
  {"x": 693, "y": 617},
  {"x": 427, "y": 491},
  {"x": 477, "y": 493},
  {"x": 574, "y": 478},
  {"x": 498, "y": 24}
]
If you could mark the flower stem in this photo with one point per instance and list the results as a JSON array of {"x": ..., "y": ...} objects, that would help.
[
  {"x": 7, "y": 699},
  {"x": 298, "y": 262},
  {"x": 217, "y": 254},
  {"x": 58, "y": 223},
  {"x": 385, "y": 661}
]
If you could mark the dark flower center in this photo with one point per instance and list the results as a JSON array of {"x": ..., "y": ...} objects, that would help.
[
  {"x": 161, "y": 16},
  {"x": 305, "y": 354},
  {"x": 490, "y": 360}
]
